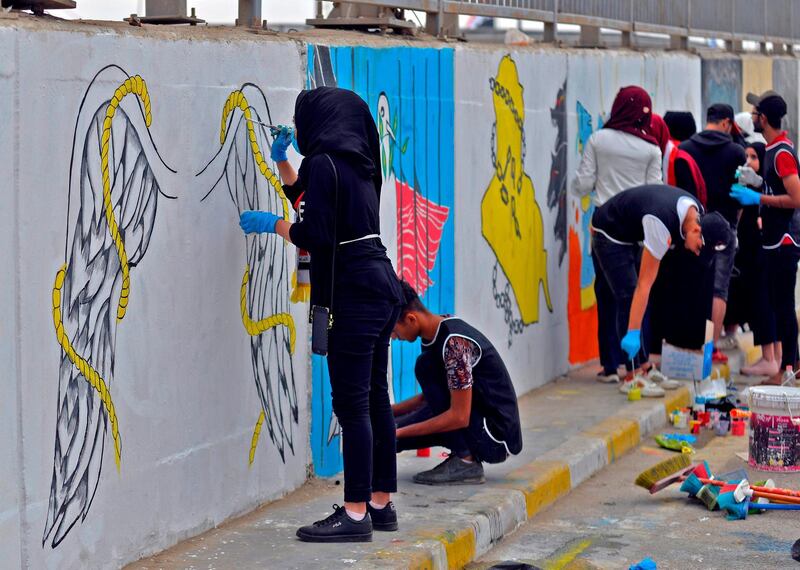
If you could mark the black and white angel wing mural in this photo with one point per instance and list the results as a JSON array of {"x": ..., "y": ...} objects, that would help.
[
  {"x": 112, "y": 206},
  {"x": 265, "y": 286}
]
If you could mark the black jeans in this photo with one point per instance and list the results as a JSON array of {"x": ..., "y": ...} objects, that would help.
[
  {"x": 472, "y": 440},
  {"x": 358, "y": 360},
  {"x": 781, "y": 264},
  {"x": 607, "y": 337},
  {"x": 618, "y": 266}
]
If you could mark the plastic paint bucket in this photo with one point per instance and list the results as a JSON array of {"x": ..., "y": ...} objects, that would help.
[{"x": 774, "y": 428}]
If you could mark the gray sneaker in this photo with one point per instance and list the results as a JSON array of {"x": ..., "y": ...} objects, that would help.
[{"x": 452, "y": 471}]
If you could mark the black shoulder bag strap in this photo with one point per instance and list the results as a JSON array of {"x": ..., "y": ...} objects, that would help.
[
  {"x": 322, "y": 317},
  {"x": 335, "y": 233}
]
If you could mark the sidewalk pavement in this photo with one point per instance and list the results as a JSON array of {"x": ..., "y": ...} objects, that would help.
[{"x": 572, "y": 428}]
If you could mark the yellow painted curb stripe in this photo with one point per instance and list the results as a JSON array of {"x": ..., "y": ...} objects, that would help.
[
  {"x": 620, "y": 434},
  {"x": 459, "y": 545},
  {"x": 677, "y": 399},
  {"x": 562, "y": 560},
  {"x": 542, "y": 483}
]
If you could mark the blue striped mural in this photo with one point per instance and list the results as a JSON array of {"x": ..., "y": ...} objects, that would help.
[{"x": 410, "y": 92}]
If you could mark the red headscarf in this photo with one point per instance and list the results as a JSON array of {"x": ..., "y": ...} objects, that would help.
[
  {"x": 660, "y": 131},
  {"x": 631, "y": 113}
]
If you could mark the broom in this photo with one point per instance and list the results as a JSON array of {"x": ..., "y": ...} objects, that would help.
[{"x": 676, "y": 469}]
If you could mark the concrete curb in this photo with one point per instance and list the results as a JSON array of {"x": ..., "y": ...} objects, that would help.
[{"x": 497, "y": 512}]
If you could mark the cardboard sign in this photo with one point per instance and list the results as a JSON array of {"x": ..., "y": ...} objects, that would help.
[{"x": 688, "y": 364}]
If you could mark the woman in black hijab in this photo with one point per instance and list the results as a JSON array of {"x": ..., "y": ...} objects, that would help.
[{"x": 339, "y": 185}]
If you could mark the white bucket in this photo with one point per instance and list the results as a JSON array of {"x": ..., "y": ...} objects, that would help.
[{"x": 774, "y": 428}]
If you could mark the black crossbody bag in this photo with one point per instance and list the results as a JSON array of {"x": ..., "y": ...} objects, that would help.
[{"x": 322, "y": 317}]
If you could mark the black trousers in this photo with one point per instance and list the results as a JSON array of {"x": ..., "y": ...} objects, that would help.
[
  {"x": 472, "y": 440},
  {"x": 781, "y": 272},
  {"x": 358, "y": 360},
  {"x": 618, "y": 266},
  {"x": 607, "y": 336}
]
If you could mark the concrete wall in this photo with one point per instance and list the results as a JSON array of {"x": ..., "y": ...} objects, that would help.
[
  {"x": 180, "y": 368},
  {"x": 206, "y": 405}
]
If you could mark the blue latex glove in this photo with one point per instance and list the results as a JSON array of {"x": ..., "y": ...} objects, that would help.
[
  {"x": 632, "y": 342},
  {"x": 745, "y": 196},
  {"x": 283, "y": 139},
  {"x": 258, "y": 222}
]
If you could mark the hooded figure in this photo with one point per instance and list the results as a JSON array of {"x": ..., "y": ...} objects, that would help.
[
  {"x": 631, "y": 113},
  {"x": 338, "y": 185}
]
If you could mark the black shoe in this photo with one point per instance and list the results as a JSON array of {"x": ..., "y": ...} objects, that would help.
[
  {"x": 452, "y": 471},
  {"x": 338, "y": 527},
  {"x": 385, "y": 518}
]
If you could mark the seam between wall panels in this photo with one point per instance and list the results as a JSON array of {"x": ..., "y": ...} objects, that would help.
[{"x": 21, "y": 490}]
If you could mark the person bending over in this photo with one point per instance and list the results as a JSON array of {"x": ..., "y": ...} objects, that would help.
[
  {"x": 467, "y": 404},
  {"x": 662, "y": 218}
]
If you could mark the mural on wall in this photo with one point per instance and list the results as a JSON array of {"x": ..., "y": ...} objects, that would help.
[
  {"x": 410, "y": 93},
  {"x": 581, "y": 300},
  {"x": 511, "y": 219},
  {"x": 722, "y": 83},
  {"x": 264, "y": 297},
  {"x": 785, "y": 79},
  {"x": 114, "y": 193},
  {"x": 557, "y": 189}
]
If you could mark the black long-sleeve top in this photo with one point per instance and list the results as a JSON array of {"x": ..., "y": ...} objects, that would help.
[{"x": 363, "y": 270}]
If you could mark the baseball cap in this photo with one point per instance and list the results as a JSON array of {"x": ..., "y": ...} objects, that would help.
[
  {"x": 769, "y": 103},
  {"x": 720, "y": 111},
  {"x": 716, "y": 231}
]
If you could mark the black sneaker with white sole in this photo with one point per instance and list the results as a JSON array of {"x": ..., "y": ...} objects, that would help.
[
  {"x": 385, "y": 518},
  {"x": 452, "y": 471},
  {"x": 338, "y": 527}
]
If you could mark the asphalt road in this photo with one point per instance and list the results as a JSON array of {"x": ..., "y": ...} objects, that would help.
[{"x": 608, "y": 522}]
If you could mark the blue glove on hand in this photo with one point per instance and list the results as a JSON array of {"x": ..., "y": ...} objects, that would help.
[
  {"x": 258, "y": 222},
  {"x": 745, "y": 196},
  {"x": 283, "y": 139},
  {"x": 632, "y": 343}
]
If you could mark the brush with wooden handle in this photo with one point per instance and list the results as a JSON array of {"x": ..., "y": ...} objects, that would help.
[{"x": 676, "y": 469}]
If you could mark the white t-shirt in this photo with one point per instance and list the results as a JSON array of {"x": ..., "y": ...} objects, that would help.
[
  {"x": 614, "y": 161},
  {"x": 657, "y": 238}
]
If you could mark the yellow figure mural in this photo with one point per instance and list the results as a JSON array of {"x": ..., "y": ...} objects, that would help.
[{"x": 511, "y": 219}]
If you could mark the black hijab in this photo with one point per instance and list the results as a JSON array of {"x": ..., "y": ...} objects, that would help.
[
  {"x": 681, "y": 125},
  {"x": 337, "y": 121},
  {"x": 761, "y": 152}
]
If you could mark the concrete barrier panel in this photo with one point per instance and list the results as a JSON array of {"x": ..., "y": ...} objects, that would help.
[
  {"x": 511, "y": 213},
  {"x": 785, "y": 82},
  {"x": 142, "y": 391},
  {"x": 12, "y": 484}
]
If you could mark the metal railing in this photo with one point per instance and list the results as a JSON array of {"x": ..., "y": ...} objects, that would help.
[{"x": 775, "y": 21}]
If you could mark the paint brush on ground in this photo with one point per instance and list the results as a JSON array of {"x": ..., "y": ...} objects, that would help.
[{"x": 678, "y": 469}]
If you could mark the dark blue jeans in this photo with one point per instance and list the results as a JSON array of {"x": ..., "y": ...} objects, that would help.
[
  {"x": 618, "y": 265},
  {"x": 358, "y": 360}
]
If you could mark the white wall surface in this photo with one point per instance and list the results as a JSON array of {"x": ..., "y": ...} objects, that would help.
[
  {"x": 183, "y": 383},
  {"x": 538, "y": 353}
]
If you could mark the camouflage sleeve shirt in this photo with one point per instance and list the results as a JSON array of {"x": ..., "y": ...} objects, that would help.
[{"x": 460, "y": 355}]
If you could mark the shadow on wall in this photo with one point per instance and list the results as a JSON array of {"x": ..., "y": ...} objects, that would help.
[{"x": 410, "y": 93}]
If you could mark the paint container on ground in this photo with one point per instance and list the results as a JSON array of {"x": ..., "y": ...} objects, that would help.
[
  {"x": 634, "y": 394},
  {"x": 723, "y": 427},
  {"x": 737, "y": 427},
  {"x": 774, "y": 428}
]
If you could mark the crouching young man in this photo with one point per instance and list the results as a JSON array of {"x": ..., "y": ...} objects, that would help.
[{"x": 467, "y": 404}]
